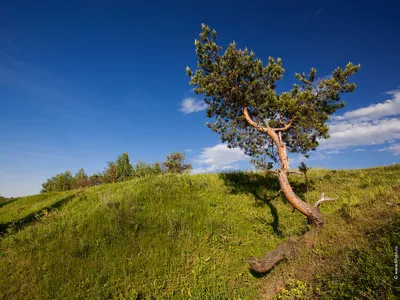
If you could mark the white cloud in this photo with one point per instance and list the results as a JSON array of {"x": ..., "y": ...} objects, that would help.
[
  {"x": 362, "y": 133},
  {"x": 219, "y": 157},
  {"x": 318, "y": 155},
  {"x": 230, "y": 167},
  {"x": 188, "y": 150},
  {"x": 333, "y": 152},
  {"x": 375, "y": 124},
  {"x": 202, "y": 170},
  {"x": 359, "y": 150},
  {"x": 191, "y": 105},
  {"x": 395, "y": 149},
  {"x": 390, "y": 107}
]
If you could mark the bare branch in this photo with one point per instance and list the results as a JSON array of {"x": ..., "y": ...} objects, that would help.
[
  {"x": 295, "y": 172},
  {"x": 323, "y": 199},
  {"x": 289, "y": 172},
  {"x": 286, "y": 127}
]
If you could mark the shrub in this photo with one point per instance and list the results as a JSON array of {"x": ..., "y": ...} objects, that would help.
[
  {"x": 175, "y": 163},
  {"x": 60, "y": 182}
]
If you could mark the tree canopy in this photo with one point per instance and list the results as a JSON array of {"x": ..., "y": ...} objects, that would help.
[
  {"x": 60, "y": 182},
  {"x": 123, "y": 167},
  {"x": 241, "y": 94},
  {"x": 175, "y": 163}
]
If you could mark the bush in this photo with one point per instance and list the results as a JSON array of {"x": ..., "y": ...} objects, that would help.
[
  {"x": 81, "y": 180},
  {"x": 60, "y": 182},
  {"x": 123, "y": 167},
  {"x": 175, "y": 163},
  {"x": 143, "y": 169}
]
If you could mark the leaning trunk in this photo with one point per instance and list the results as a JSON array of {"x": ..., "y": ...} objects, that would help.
[{"x": 313, "y": 214}]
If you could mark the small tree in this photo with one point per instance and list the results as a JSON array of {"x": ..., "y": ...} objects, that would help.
[
  {"x": 110, "y": 173},
  {"x": 241, "y": 94},
  {"x": 303, "y": 168},
  {"x": 60, "y": 182},
  {"x": 175, "y": 163},
  {"x": 156, "y": 168},
  {"x": 143, "y": 169},
  {"x": 81, "y": 179},
  {"x": 123, "y": 167},
  {"x": 96, "y": 179}
]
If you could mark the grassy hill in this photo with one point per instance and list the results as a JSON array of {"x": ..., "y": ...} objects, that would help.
[{"x": 189, "y": 236}]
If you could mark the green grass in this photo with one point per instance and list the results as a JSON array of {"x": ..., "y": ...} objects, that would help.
[
  {"x": 4, "y": 200},
  {"x": 22, "y": 208},
  {"x": 174, "y": 236}
]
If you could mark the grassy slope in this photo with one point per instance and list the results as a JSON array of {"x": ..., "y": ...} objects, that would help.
[
  {"x": 25, "y": 208},
  {"x": 353, "y": 256},
  {"x": 4, "y": 200},
  {"x": 189, "y": 236}
]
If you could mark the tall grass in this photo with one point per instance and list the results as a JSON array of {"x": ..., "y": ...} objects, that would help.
[
  {"x": 170, "y": 236},
  {"x": 14, "y": 211}
]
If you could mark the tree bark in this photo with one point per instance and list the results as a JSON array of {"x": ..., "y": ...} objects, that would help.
[{"x": 312, "y": 213}]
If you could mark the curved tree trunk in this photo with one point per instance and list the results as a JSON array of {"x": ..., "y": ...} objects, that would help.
[
  {"x": 312, "y": 212},
  {"x": 288, "y": 249}
]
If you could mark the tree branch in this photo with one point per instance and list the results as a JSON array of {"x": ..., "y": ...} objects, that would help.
[
  {"x": 254, "y": 124},
  {"x": 289, "y": 172},
  {"x": 295, "y": 172},
  {"x": 323, "y": 199},
  {"x": 287, "y": 125},
  {"x": 265, "y": 129}
]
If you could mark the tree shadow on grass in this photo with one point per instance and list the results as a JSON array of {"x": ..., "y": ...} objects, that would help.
[
  {"x": 264, "y": 188},
  {"x": 32, "y": 217},
  {"x": 6, "y": 201}
]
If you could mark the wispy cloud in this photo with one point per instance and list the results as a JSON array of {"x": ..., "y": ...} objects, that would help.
[
  {"x": 230, "y": 167},
  {"x": 219, "y": 157},
  {"x": 359, "y": 150},
  {"x": 333, "y": 152},
  {"x": 318, "y": 155},
  {"x": 191, "y": 105},
  {"x": 395, "y": 149},
  {"x": 363, "y": 133},
  {"x": 372, "y": 125},
  {"x": 390, "y": 107}
]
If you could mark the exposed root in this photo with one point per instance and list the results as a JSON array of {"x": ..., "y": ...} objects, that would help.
[
  {"x": 289, "y": 249},
  {"x": 284, "y": 251}
]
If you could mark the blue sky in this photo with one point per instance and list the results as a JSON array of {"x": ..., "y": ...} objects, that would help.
[{"x": 81, "y": 82}]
